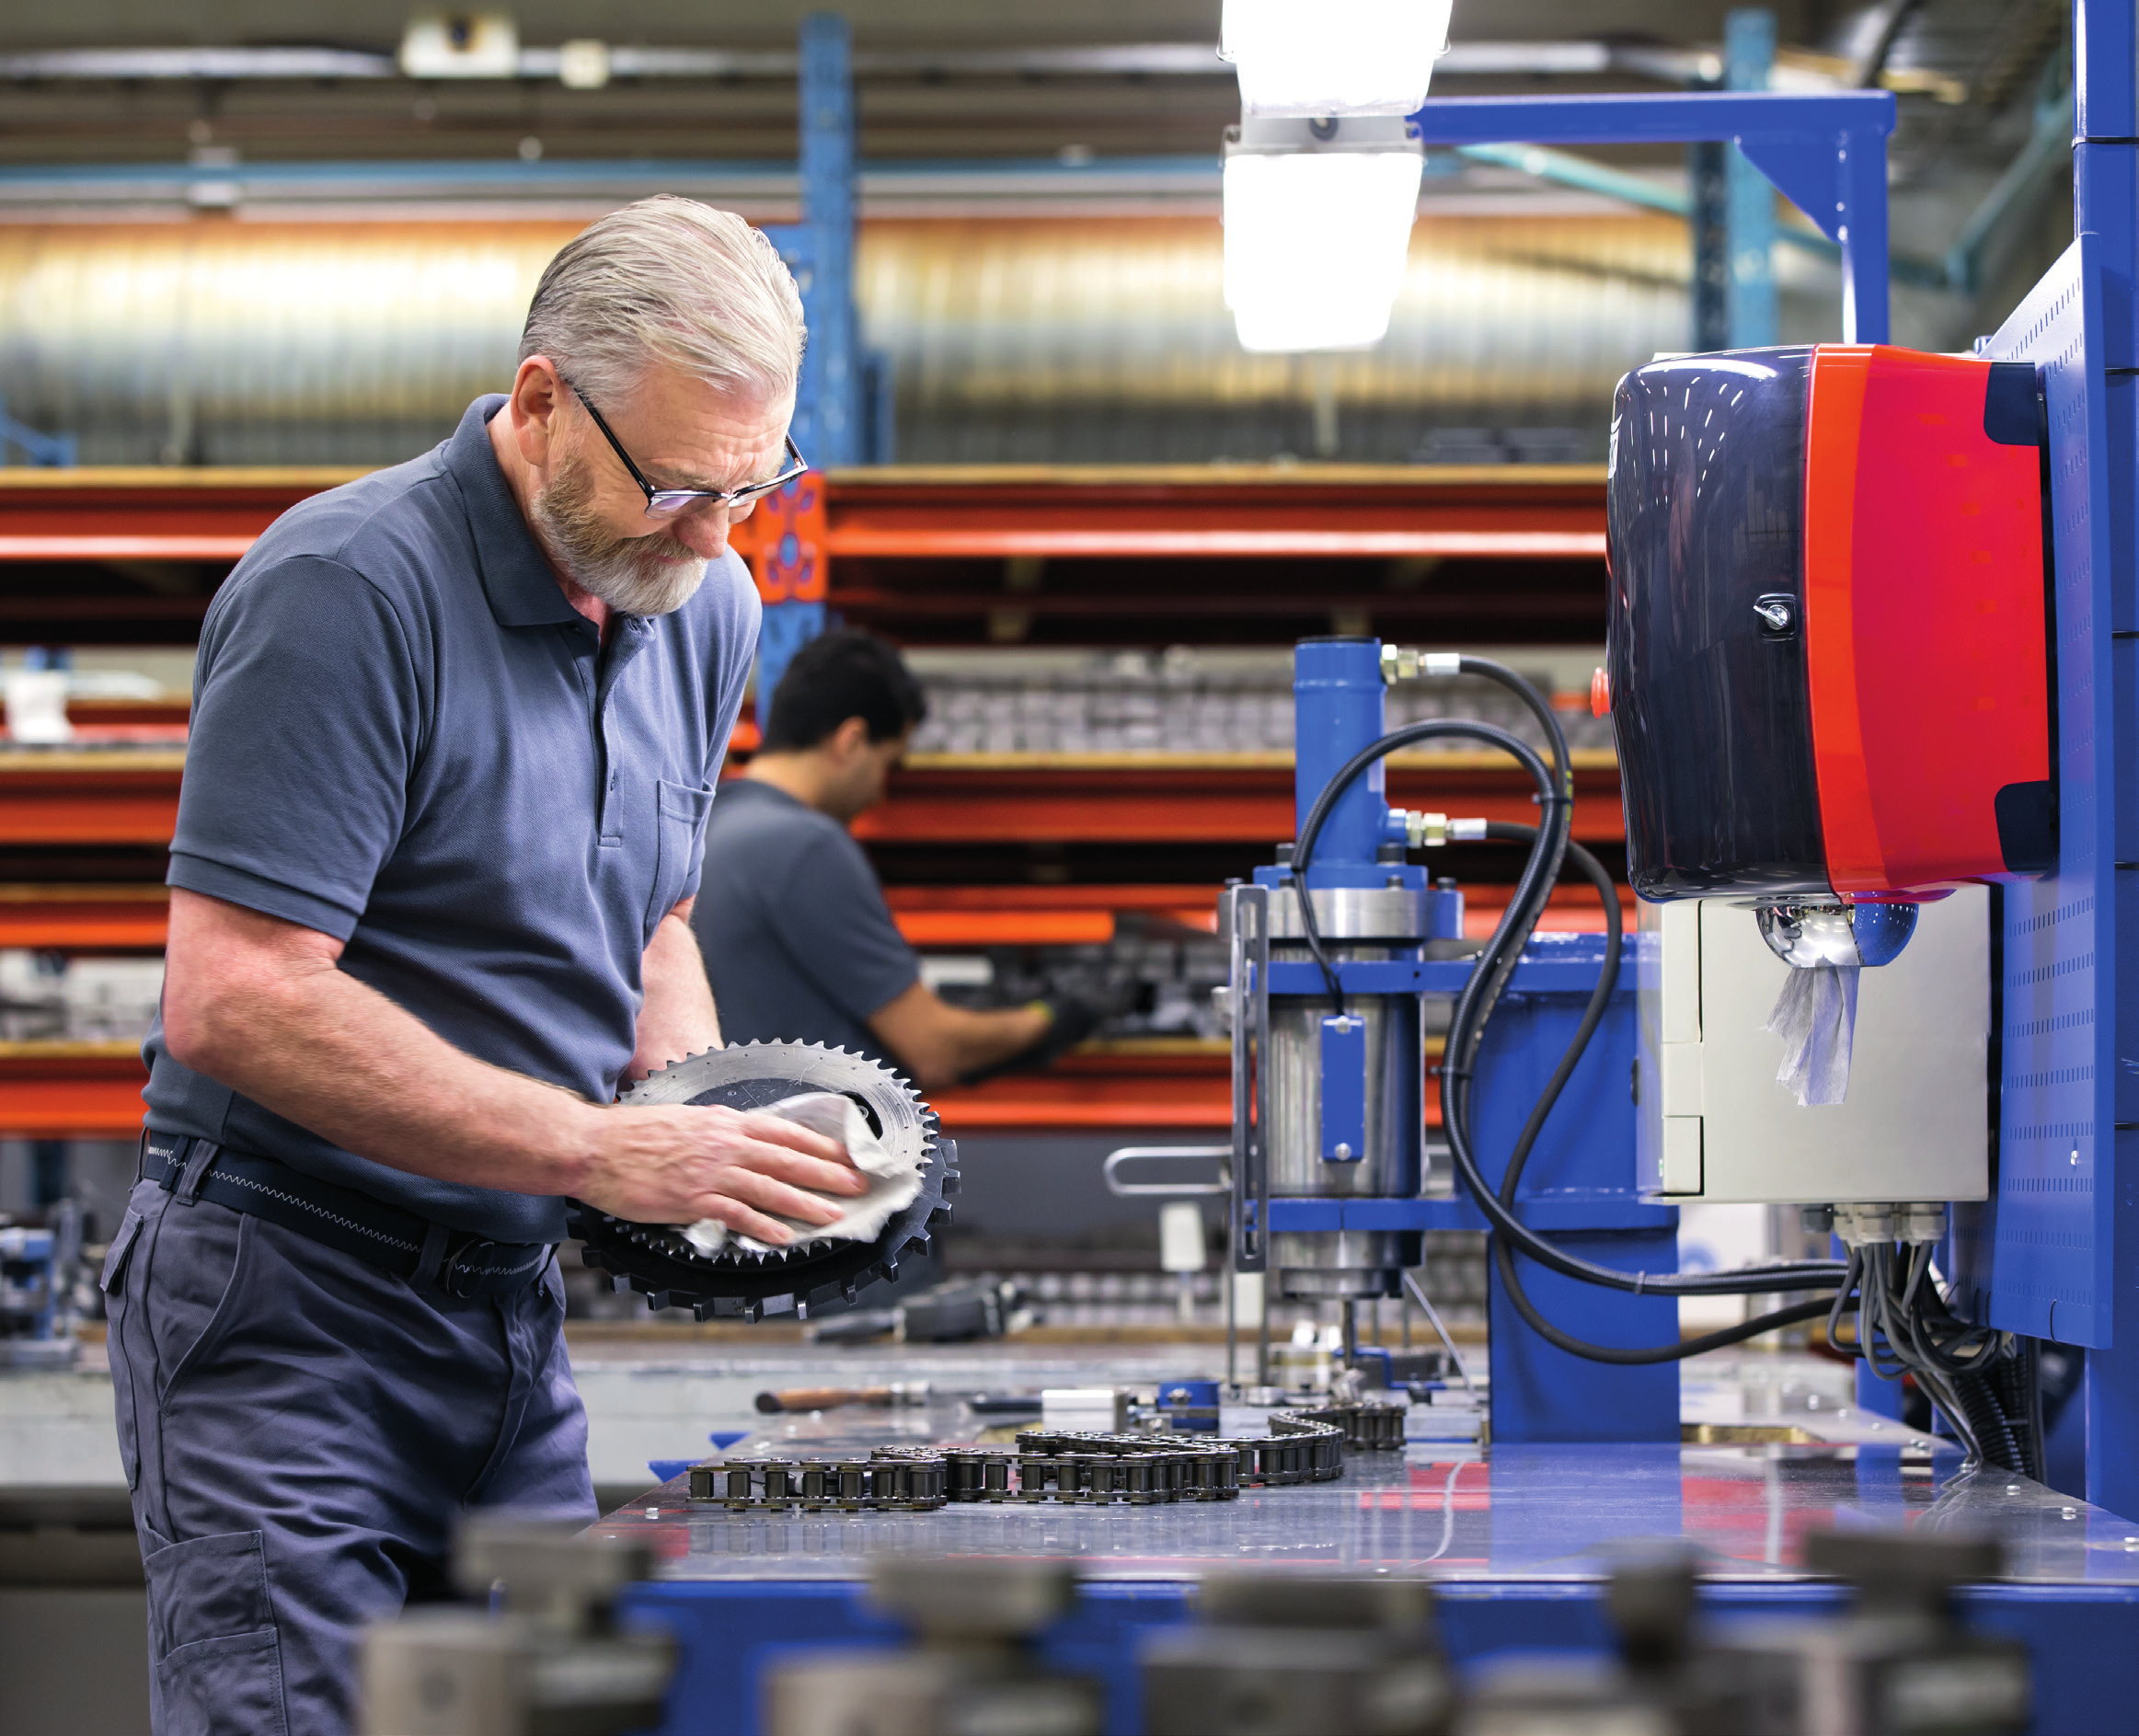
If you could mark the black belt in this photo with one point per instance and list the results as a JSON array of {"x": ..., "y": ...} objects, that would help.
[{"x": 461, "y": 1262}]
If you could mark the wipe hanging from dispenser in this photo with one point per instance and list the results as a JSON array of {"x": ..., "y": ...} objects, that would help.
[{"x": 1815, "y": 1016}]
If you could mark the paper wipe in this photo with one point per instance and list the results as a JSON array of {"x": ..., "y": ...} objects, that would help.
[{"x": 1815, "y": 1016}]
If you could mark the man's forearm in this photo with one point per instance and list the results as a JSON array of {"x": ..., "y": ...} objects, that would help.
[
  {"x": 676, "y": 1019},
  {"x": 940, "y": 1043},
  {"x": 336, "y": 1057},
  {"x": 263, "y": 1005},
  {"x": 986, "y": 1037}
]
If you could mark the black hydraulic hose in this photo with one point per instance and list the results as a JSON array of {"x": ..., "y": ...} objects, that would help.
[
  {"x": 1643, "y": 1355},
  {"x": 1593, "y": 1015},
  {"x": 1465, "y": 1030},
  {"x": 1555, "y": 799},
  {"x": 1994, "y": 1429},
  {"x": 1851, "y": 1274},
  {"x": 1475, "y": 1007},
  {"x": 1538, "y": 707},
  {"x": 1342, "y": 779}
]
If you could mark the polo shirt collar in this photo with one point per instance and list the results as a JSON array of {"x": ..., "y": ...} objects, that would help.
[{"x": 517, "y": 580}]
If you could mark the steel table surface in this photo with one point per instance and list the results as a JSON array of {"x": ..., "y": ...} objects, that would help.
[{"x": 1517, "y": 1543}]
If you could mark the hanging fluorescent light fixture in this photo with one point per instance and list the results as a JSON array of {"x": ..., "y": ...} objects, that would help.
[
  {"x": 1333, "y": 57},
  {"x": 1318, "y": 229}
]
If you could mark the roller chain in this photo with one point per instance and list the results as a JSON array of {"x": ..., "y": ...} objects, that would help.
[{"x": 1064, "y": 1467}]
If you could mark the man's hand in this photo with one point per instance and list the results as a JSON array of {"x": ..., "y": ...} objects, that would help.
[{"x": 678, "y": 1163}]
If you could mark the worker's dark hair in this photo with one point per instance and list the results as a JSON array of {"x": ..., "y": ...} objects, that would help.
[{"x": 839, "y": 675}]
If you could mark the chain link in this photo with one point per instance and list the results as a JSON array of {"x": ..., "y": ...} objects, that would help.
[{"x": 1069, "y": 1467}]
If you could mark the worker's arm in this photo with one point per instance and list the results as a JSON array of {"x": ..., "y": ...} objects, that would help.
[
  {"x": 676, "y": 1019},
  {"x": 262, "y": 1005},
  {"x": 939, "y": 1044}
]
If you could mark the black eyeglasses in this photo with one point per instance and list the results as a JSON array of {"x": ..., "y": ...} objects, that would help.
[{"x": 673, "y": 503}]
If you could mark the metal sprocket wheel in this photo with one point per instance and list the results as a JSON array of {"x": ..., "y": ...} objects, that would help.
[{"x": 657, "y": 1260}]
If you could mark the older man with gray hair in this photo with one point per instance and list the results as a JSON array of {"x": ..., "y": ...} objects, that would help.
[{"x": 455, "y": 731}]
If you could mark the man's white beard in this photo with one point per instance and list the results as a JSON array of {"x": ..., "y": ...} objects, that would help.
[{"x": 634, "y": 575}]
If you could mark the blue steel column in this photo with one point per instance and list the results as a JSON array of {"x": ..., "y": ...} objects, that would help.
[
  {"x": 1749, "y": 198},
  {"x": 1862, "y": 162},
  {"x": 2105, "y": 194},
  {"x": 1338, "y": 702},
  {"x": 827, "y": 426},
  {"x": 827, "y": 167}
]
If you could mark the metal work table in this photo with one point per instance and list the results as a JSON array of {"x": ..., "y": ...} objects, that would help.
[
  {"x": 1528, "y": 1513},
  {"x": 1516, "y": 1541}
]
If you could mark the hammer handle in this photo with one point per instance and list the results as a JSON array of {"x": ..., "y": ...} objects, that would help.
[{"x": 821, "y": 1398}]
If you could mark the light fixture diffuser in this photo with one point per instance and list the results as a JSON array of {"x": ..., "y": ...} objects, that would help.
[
  {"x": 1316, "y": 240},
  {"x": 1333, "y": 57}
]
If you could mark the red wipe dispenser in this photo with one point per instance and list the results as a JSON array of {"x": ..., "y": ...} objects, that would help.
[{"x": 1828, "y": 646}]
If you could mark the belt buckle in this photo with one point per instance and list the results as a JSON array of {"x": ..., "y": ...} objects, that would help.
[{"x": 449, "y": 1279}]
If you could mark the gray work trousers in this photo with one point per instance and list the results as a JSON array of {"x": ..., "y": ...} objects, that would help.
[{"x": 300, "y": 1431}]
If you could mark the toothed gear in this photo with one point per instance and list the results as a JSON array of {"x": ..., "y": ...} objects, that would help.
[{"x": 657, "y": 1260}]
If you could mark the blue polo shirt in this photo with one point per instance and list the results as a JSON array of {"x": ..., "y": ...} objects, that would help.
[
  {"x": 792, "y": 922},
  {"x": 405, "y": 737}
]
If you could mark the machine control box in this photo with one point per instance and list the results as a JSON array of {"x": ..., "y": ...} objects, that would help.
[{"x": 1714, "y": 1123}]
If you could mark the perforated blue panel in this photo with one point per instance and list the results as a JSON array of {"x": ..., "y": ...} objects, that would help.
[{"x": 2050, "y": 1239}]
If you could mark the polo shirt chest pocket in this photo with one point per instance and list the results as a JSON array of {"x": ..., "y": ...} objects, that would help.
[{"x": 680, "y": 812}]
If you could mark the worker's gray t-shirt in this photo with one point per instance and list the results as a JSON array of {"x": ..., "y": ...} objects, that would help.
[
  {"x": 798, "y": 942},
  {"x": 405, "y": 737}
]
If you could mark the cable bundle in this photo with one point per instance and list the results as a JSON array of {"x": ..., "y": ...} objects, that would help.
[
  {"x": 1977, "y": 1377},
  {"x": 1912, "y": 1327}
]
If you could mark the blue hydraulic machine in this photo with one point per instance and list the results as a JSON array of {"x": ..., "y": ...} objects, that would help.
[{"x": 1346, "y": 954}]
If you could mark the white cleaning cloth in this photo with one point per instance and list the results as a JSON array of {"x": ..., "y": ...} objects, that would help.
[
  {"x": 894, "y": 1180},
  {"x": 1815, "y": 1016}
]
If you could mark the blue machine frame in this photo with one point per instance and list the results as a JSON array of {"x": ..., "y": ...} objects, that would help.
[
  {"x": 2051, "y": 1255},
  {"x": 1580, "y": 1187},
  {"x": 1827, "y": 154}
]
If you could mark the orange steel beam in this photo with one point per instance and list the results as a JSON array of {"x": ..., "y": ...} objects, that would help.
[
  {"x": 84, "y": 918},
  {"x": 147, "y": 514},
  {"x": 70, "y": 1091},
  {"x": 61, "y": 797},
  {"x": 1180, "y": 801},
  {"x": 1264, "y": 512},
  {"x": 1107, "y": 898},
  {"x": 1363, "y": 512},
  {"x": 1071, "y": 542},
  {"x": 1099, "y": 1090},
  {"x": 131, "y": 797},
  {"x": 1004, "y": 928},
  {"x": 1191, "y": 907}
]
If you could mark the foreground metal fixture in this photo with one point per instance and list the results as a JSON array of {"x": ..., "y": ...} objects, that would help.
[
  {"x": 549, "y": 1656},
  {"x": 657, "y": 1260}
]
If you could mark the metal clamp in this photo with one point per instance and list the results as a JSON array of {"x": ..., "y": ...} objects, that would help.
[{"x": 1165, "y": 1190}]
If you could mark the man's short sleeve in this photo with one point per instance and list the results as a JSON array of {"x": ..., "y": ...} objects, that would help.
[
  {"x": 306, "y": 726},
  {"x": 830, "y": 916}
]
